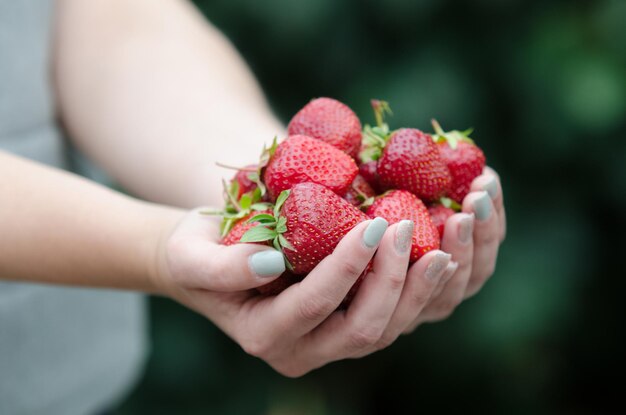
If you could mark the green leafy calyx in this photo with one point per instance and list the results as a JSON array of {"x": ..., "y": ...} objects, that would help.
[
  {"x": 451, "y": 137},
  {"x": 271, "y": 227},
  {"x": 375, "y": 138},
  {"x": 237, "y": 209}
]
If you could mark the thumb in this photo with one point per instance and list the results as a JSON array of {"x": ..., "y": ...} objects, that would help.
[
  {"x": 241, "y": 267},
  {"x": 207, "y": 265},
  {"x": 195, "y": 260}
]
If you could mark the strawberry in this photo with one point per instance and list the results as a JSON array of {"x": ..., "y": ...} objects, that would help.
[
  {"x": 308, "y": 222},
  {"x": 464, "y": 159},
  {"x": 301, "y": 159},
  {"x": 243, "y": 179},
  {"x": 369, "y": 173},
  {"x": 411, "y": 161},
  {"x": 331, "y": 121},
  {"x": 439, "y": 214},
  {"x": 408, "y": 159},
  {"x": 359, "y": 191},
  {"x": 397, "y": 205},
  {"x": 240, "y": 227}
]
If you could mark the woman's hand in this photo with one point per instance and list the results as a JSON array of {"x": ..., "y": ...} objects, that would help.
[
  {"x": 300, "y": 329},
  {"x": 473, "y": 238}
]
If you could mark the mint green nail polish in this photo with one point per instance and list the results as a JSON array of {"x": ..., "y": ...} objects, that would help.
[
  {"x": 267, "y": 263},
  {"x": 374, "y": 232},
  {"x": 482, "y": 206},
  {"x": 491, "y": 188}
]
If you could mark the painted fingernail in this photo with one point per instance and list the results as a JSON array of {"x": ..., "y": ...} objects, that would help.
[
  {"x": 466, "y": 227},
  {"x": 437, "y": 265},
  {"x": 482, "y": 206},
  {"x": 491, "y": 187},
  {"x": 267, "y": 263},
  {"x": 449, "y": 272},
  {"x": 404, "y": 236},
  {"x": 374, "y": 232}
]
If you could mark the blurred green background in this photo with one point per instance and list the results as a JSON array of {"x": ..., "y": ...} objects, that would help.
[{"x": 544, "y": 85}]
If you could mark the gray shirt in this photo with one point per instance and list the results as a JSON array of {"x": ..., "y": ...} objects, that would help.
[{"x": 62, "y": 350}]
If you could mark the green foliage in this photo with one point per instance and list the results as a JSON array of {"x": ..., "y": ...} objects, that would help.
[{"x": 544, "y": 85}]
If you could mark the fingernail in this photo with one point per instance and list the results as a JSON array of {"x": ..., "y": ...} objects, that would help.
[
  {"x": 491, "y": 187},
  {"x": 404, "y": 236},
  {"x": 267, "y": 263},
  {"x": 482, "y": 206},
  {"x": 437, "y": 265},
  {"x": 466, "y": 227},
  {"x": 449, "y": 272},
  {"x": 374, "y": 232}
]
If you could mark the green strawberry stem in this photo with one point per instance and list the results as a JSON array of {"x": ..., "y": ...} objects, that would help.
[
  {"x": 449, "y": 203},
  {"x": 232, "y": 199},
  {"x": 226, "y": 166},
  {"x": 375, "y": 138},
  {"x": 451, "y": 137},
  {"x": 236, "y": 210},
  {"x": 380, "y": 108}
]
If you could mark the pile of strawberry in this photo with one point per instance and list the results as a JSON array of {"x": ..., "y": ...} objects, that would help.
[{"x": 329, "y": 174}]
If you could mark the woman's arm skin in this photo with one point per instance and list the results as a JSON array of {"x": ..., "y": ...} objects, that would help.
[
  {"x": 156, "y": 95},
  {"x": 56, "y": 227}
]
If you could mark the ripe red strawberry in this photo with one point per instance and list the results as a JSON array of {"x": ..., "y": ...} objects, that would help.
[
  {"x": 464, "y": 159},
  {"x": 397, "y": 205},
  {"x": 411, "y": 161},
  {"x": 243, "y": 180},
  {"x": 241, "y": 227},
  {"x": 359, "y": 191},
  {"x": 439, "y": 214},
  {"x": 408, "y": 159},
  {"x": 369, "y": 173},
  {"x": 331, "y": 121},
  {"x": 308, "y": 223},
  {"x": 301, "y": 159}
]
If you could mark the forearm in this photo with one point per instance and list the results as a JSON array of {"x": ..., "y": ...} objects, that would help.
[
  {"x": 58, "y": 228},
  {"x": 156, "y": 96}
]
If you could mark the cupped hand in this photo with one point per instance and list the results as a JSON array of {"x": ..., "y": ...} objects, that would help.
[
  {"x": 301, "y": 328},
  {"x": 473, "y": 238}
]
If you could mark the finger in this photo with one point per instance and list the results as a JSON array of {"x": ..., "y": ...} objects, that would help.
[
  {"x": 197, "y": 261},
  {"x": 377, "y": 298},
  {"x": 486, "y": 239},
  {"x": 489, "y": 181},
  {"x": 458, "y": 241},
  {"x": 305, "y": 305},
  {"x": 447, "y": 275},
  {"x": 422, "y": 280}
]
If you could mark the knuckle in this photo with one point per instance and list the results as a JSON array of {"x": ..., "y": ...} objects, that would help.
[
  {"x": 446, "y": 308},
  {"x": 487, "y": 238},
  {"x": 419, "y": 299},
  {"x": 315, "y": 308},
  {"x": 256, "y": 347},
  {"x": 364, "y": 337},
  {"x": 443, "y": 313},
  {"x": 396, "y": 280},
  {"x": 349, "y": 269},
  {"x": 385, "y": 341},
  {"x": 292, "y": 371}
]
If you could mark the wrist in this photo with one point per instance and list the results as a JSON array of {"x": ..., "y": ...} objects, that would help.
[{"x": 160, "y": 224}]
